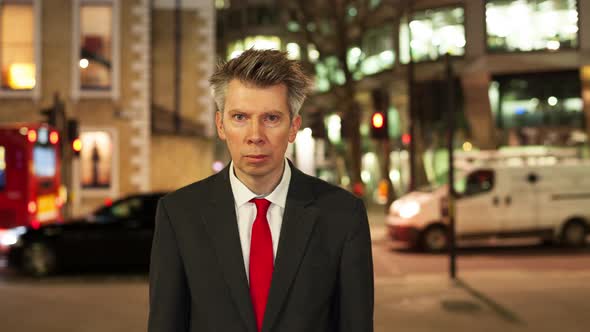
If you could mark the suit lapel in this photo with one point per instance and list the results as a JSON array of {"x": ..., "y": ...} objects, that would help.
[
  {"x": 298, "y": 220},
  {"x": 221, "y": 224}
]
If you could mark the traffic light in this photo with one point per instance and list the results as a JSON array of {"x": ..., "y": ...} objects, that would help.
[
  {"x": 74, "y": 137},
  {"x": 379, "y": 126}
]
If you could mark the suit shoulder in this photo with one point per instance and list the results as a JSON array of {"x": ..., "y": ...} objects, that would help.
[
  {"x": 193, "y": 191},
  {"x": 330, "y": 193}
]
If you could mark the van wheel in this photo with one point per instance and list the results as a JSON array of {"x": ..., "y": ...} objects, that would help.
[
  {"x": 39, "y": 259},
  {"x": 435, "y": 239},
  {"x": 574, "y": 234}
]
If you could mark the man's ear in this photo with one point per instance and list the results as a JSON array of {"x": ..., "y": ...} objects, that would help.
[
  {"x": 295, "y": 125},
  {"x": 219, "y": 125}
]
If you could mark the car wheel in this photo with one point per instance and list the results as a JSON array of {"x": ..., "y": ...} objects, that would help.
[
  {"x": 574, "y": 234},
  {"x": 435, "y": 239},
  {"x": 39, "y": 259}
]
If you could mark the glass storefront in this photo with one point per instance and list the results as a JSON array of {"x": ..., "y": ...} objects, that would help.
[
  {"x": 537, "y": 100},
  {"x": 529, "y": 25}
]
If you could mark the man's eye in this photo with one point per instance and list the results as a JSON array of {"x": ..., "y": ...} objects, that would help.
[
  {"x": 239, "y": 117},
  {"x": 273, "y": 118}
]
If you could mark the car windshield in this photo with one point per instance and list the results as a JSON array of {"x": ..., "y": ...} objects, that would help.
[{"x": 120, "y": 210}]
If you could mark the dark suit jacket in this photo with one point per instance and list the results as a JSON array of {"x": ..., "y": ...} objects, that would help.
[{"x": 323, "y": 275}]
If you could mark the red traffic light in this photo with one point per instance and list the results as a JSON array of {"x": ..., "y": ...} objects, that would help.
[
  {"x": 377, "y": 120},
  {"x": 406, "y": 139},
  {"x": 54, "y": 137}
]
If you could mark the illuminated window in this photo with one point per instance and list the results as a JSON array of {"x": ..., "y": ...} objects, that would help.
[
  {"x": 378, "y": 51},
  {"x": 537, "y": 100},
  {"x": 236, "y": 48},
  {"x": 96, "y": 160},
  {"x": 528, "y": 25},
  {"x": 17, "y": 55},
  {"x": 96, "y": 45},
  {"x": 2, "y": 167},
  {"x": 436, "y": 32}
]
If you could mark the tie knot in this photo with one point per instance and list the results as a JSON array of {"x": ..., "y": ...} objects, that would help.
[{"x": 262, "y": 205}]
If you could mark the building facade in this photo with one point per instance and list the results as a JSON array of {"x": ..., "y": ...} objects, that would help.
[{"x": 133, "y": 73}]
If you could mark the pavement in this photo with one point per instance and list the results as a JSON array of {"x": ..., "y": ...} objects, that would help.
[{"x": 516, "y": 299}]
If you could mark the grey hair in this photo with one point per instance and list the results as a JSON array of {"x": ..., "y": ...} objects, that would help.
[{"x": 263, "y": 68}]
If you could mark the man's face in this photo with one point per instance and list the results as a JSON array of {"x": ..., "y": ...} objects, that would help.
[{"x": 257, "y": 129}]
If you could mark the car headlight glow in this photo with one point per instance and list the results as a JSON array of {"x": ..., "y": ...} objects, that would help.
[
  {"x": 409, "y": 209},
  {"x": 11, "y": 237}
]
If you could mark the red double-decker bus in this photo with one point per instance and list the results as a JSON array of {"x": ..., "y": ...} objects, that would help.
[{"x": 30, "y": 177}]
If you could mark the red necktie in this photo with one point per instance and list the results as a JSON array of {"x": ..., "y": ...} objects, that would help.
[{"x": 261, "y": 260}]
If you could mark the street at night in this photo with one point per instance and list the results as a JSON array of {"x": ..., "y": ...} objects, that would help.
[{"x": 510, "y": 287}]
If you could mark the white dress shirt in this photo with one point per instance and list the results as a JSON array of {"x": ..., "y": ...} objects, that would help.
[{"x": 246, "y": 211}]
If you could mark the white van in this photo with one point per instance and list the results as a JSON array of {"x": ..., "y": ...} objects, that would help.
[{"x": 551, "y": 202}]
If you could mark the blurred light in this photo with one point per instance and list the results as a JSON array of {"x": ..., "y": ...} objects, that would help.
[
  {"x": 108, "y": 202},
  {"x": 312, "y": 53},
  {"x": 553, "y": 45},
  {"x": 42, "y": 135},
  {"x": 59, "y": 201},
  {"x": 352, "y": 11},
  {"x": 32, "y": 135},
  {"x": 84, "y": 63},
  {"x": 77, "y": 145},
  {"x": 32, "y": 207},
  {"x": 467, "y": 146},
  {"x": 54, "y": 137},
  {"x": 409, "y": 209},
  {"x": 366, "y": 176},
  {"x": 387, "y": 56},
  {"x": 235, "y": 54},
  {"x": 406, "y": 139},
  {"x": 21, "y": 76},
  {"x": 293, "y": 51},
  {"x": 355, "y": 52},
  {"x": 217, "y": 166},
  {"x": 334, "y": 126},
  {"x": 35, "y": 224},
  {"x": 552, "y": 101},
  {"x": 571, "y": 29},
  {"x": 23, "y": 131},
  {"x": 345, "y": 180},
  {"x": 394, "y": 175},
  {"x": 307, "y": 132},
  {"x": 377, "y": 120},
  {"x": 8, "y": 239},
  {"x": 520, "y": 111}
]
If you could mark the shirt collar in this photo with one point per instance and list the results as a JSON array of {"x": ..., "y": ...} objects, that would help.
[{"x": 243, "y": 195}]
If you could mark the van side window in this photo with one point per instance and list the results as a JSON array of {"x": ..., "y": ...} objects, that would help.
[
  {"x": 2, "y": 168},
  {"x": 479, "y": 182}
]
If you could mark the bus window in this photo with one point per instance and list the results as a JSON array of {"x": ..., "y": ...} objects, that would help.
[
  {"x": 44, "y": 161},
  {"x": 2, "y": 168}
]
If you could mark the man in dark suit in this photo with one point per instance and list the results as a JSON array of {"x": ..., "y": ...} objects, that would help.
[{"x": 260, "y": 246}]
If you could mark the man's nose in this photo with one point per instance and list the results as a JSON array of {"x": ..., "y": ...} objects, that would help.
[{"x": 256, "y": 133}]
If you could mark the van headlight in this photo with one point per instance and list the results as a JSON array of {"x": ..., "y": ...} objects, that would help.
[
  {"x": 11, "y": 237},
  {"x": 407, "y": 210}
]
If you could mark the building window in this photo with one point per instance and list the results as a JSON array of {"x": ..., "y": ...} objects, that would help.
[
  {"x": 434, "y": 33},
  {"x": 537, "y": 100},
  {"x": 377, "y": 49},
  {"x": 96, "y": 45},
  {"x": 17, "y": 45},
  {"x": 529, "y": 25}
]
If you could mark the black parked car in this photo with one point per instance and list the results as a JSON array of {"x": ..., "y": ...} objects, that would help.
[{"x": 117, "y": 234}]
